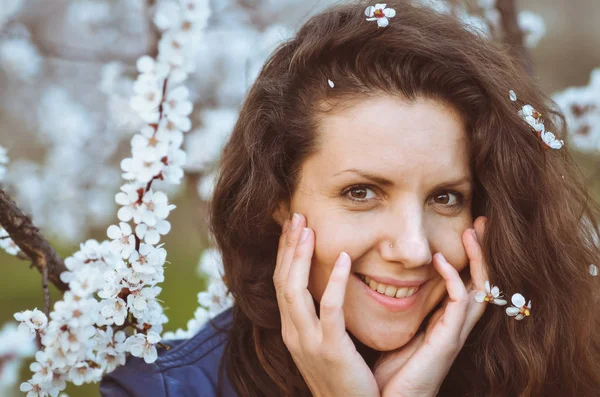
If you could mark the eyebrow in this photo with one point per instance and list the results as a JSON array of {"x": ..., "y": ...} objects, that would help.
[{"x": 465, "y": 179}]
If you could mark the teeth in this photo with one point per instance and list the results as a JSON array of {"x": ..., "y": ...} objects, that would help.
[{"x": 388, "y": 290}]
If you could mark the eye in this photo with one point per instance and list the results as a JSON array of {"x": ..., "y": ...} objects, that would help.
[
  {"x": 359, "y": 193},
  {"x": 449, "y": 199}
]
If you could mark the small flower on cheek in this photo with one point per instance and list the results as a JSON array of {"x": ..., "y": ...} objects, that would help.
[
  {"x": 519, "y": 310},
  {"x": 491, "y": 295}
]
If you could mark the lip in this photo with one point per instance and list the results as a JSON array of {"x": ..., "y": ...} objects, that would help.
[
  {"x": 395, "y": 283},
  {"x": 391, "y": 304}
]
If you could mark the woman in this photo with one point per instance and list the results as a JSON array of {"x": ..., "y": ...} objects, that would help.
[{"x": 392, "y": 137}]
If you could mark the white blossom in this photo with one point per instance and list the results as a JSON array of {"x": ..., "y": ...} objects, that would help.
[
  {"x": 519, "y": 310},
  {"x": 15, "y": 347},
  {"x": 140, "y": 345},
  {"x": 151, "y": 234},
  {"x": 123, "y": 239},
  {"x": 216, "y": 299},
  {"x": 114, "y": 310},
  {"x": 20, "y": 58},
  {"x": 380, "y": 13},
  {"x": 491, "y": 294},
  {"x": 3, "y": 163},
  {"x": 7, "y": 244},
  {"x": 593, "y": 270},
  {"x": 533, "y": 27},
  {"x": 156, "y": 207},
  {"x": 31, "y": 322}
]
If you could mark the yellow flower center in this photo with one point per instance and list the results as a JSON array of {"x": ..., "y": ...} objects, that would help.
[{"x": 379, "y": 13}]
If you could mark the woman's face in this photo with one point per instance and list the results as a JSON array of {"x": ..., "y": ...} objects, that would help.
[{"x": 390, "y": 185}]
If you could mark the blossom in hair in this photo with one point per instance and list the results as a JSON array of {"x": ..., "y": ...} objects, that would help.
[
  {"x": 550, "y": 140},
  {"x": 593, "y": 269},
  {"x": 491, "y": 295},
  {"x": 534, "y": 119},
  {"x": 519, "y": 310},
  {"x": 380, "y": 13}
]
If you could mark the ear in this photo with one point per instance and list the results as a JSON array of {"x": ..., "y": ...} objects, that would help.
[{"x": 282, "y": 212}]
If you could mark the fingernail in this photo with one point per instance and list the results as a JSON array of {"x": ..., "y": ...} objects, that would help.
[
  {"x": 295, "y": 221},
  {"x": 304, "y": 234},
  {"x": 343, "y": 260}
]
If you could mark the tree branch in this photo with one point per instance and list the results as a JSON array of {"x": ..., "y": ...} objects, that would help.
[
  {"x": 30, "y": 241},
  {"x": 513, "y": 35}
]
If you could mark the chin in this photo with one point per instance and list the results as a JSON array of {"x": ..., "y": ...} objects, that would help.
[{"x": 383, "y": 336}]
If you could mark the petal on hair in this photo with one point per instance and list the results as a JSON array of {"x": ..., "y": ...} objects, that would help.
[
  {"x": 383, "y": 22},
  {"x": 389, "y": 12},
  {"x": 499, "y": 302},
  {"x": 512, "y": 311},
  {"x": 369, "y": 11},
  {"x": 518, "y": 300},
  {"x": 380, "y": 5},
  {"x": 513, "y": 96},
  {"x": 495, "y": 292},
  {"x": 520, "y": 317}
]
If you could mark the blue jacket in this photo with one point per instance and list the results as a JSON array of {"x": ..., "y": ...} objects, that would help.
[{"x": 190, "y": 368}]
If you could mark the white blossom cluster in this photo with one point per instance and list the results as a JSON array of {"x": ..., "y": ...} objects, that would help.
[
  {"x": 6, "y": 243},
  {"x": 111, "y": 307},
  {"x": 581, "y": 107},
  {"x": 213, "y": 301},
  {"x": 15, "y": 347}
]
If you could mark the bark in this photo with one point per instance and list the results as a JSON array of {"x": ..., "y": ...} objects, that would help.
[
  {"x": 30, "y": 241},
  {"x": 513, "y": 35}
]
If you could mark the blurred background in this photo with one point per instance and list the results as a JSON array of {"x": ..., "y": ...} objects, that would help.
[{"x": 67, "y": 69}]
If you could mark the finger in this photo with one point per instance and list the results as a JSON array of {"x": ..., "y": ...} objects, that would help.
[
  {"x": 477, "y": 265},
  {"x": 291, "y": 241},
  {"x": 281, "y": 246},
  {"x": 332, "y": 301},
  {"x": 299, "y": 300},
  {"x": 458, "y": 298}
]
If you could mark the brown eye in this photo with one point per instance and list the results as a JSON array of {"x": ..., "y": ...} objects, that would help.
[
  {"x": 446, "y": 199},
  {"x": 360, "y": 193}
]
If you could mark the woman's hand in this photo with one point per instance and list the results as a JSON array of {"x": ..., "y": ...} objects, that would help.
[
  {"x": 419, "y": 367},
  {"x": 321, "y": 348}
]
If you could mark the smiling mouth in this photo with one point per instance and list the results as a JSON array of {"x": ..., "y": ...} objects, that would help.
[{"x": 388, "y": 290}]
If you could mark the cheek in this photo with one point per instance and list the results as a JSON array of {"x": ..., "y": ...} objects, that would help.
[{"x": 332, "y": 237}]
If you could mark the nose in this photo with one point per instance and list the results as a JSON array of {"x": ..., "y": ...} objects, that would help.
[{"x": 404, "y": 239}]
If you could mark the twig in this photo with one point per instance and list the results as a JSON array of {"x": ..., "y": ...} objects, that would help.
[
  {"x": 46, "y": 291},
  {"x": 513, "y": 35},
  {"x": 28, "y": 238}
]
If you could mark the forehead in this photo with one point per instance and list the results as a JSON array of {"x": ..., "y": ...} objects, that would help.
[{"x": 392, "y": 136}]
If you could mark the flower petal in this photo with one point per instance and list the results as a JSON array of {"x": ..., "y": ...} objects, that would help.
[
  {"x": 499, "y": 302},
  {"x": 383, "y": 22},
  {"x": 389, "y": 12},
  {"x": 369, "y": 11},
  {"x": 512, "y": 311},
  {"x": 518, "y": 300},
  {"x": 495, "y": 292},
  {"x": 487, "y": 286},
  {"x": 480, "y": 296}
]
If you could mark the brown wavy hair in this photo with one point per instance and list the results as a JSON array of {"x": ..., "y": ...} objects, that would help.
[{"x": 541, "y": 233}]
